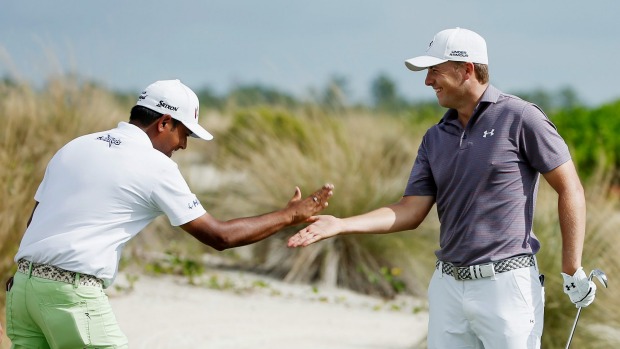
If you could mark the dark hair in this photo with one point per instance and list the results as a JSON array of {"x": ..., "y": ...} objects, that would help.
[{"x": 143, "y": 116}]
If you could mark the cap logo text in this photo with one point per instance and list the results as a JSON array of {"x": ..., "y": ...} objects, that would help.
[
  {"x": 167, "y": 106},
  {"x": 459, "y": 54}
]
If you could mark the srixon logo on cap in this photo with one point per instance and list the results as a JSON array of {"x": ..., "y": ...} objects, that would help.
[
  {"x": 142, "y": 96},
  {"x": 167, "y": 106}
]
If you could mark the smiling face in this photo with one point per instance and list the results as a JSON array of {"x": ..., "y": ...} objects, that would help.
[
  {"x": 448, "y": 79},
  {"x": 171, "y": 135}
]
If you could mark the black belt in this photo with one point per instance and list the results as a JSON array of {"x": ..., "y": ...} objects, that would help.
[
  {"x": 51, "y": 272},
  {"x": 480, "y": 271}
]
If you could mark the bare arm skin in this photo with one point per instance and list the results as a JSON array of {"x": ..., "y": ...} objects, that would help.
[
  {"x": 406, "y": 214},
  {"x": 572, "y": 213},
  {"x": 243, "y": 231}
]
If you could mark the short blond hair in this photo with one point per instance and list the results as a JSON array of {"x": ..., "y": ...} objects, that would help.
[{"x": 481, "y": 71}]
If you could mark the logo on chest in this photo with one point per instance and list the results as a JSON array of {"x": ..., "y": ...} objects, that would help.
[{"x": 488, "y": 133}]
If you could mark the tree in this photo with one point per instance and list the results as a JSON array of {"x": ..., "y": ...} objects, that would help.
[{"x": 383, "y": 92}]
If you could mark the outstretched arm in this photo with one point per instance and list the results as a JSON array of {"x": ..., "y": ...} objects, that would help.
[
  {"x": 406, "y": 214},
  {"x": 243, "y": 231}
]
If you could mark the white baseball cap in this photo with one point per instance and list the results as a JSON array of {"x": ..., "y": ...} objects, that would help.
[
  {"x": 456, "y": 44},
  {"x": 179, "y": 101}
]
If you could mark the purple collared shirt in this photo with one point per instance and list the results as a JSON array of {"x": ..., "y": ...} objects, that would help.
[{"x": 485, "y": 177}]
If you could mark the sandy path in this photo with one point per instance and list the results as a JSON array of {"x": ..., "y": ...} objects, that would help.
[{"x": 254, "y": 312}]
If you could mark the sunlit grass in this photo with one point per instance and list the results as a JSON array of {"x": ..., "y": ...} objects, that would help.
[
  {"x": 259, "y": 155},
  {"x": 599, "y": 322},
  {"x": 35, "y": 125},
  {"x": 368, "y": 158}
]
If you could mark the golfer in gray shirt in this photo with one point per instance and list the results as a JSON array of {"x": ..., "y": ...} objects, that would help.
[{"x": 481, "y": 164}]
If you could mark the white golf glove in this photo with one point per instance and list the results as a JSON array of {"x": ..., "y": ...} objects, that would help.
[{"x": 580, "y": 290}]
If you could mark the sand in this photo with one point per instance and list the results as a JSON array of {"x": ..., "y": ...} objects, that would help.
[{"x": 240, "y": 310}]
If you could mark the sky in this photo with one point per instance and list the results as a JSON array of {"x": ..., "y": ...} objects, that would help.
[{"x": 297, "y": 46}]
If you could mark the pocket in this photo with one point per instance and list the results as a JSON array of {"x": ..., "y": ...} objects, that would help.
[
  {"x": 66, "y": 325},
  {"x": 9, "y": 284},
  {"x": 9, "y": 315},
  {"x": 527, "y": 286}
]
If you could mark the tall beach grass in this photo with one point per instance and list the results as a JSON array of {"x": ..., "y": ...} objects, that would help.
[{"x": 257, "y": 158}]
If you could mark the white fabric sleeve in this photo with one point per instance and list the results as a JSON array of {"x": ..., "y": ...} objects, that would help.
[{"x": 173, "y": 196}]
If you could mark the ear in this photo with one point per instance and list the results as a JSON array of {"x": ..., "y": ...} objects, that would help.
[
  {"x": 165, "y": 120},
  {"x": 469, "y": 70}
]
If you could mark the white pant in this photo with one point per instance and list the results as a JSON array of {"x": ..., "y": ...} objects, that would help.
[{"x": 501, "y": 312}]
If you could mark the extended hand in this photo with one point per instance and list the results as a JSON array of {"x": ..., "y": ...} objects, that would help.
[
  {"x": 322, "y": 228},
  {"x": 579, "y": 288},
  {"x": 311, "y": 205}
]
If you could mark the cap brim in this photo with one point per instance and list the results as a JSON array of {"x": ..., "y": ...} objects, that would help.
[
  {"x": 423, "y": 62},
  {"x": 199, "y": 132}
]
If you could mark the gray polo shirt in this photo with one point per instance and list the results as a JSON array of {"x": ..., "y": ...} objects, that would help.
[{"x": 485, "y": 177}]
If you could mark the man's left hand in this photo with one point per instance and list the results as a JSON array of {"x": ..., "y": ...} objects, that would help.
[{"x": 579, "y": 288}]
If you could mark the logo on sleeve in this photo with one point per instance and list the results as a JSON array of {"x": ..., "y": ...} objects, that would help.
[{"x": 193, "y": 204}]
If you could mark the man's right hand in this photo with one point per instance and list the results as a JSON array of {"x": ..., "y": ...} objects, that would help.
[
  {"x": 322, "y": 228},
  {"x": 303, "y": 209}
]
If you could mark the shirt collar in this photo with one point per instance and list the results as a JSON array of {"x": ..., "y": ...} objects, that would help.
[
  {"x": 490, "y": 95},
  {"x": 134, "y": 132}
]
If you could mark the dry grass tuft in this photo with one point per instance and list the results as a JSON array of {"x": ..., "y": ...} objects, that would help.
[
  {"x": 36, "y": 124},
  {"x": 258, "y": 157}
]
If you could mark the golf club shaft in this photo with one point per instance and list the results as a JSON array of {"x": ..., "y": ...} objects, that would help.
[
  {"x": 570, "y": 338},
  {"x": 603, "y": 279}
]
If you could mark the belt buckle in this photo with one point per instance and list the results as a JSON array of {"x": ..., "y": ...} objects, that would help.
[{"x": 482, "y": 270}]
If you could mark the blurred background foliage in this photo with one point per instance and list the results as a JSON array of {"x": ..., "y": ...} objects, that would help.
[{"x": 268, "y": 141}]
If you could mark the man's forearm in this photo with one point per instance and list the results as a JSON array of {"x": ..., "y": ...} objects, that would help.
[{"x": 572, "y": 214}]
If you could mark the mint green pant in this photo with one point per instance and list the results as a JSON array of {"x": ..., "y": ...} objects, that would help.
[{"x": 43, "y": 314}]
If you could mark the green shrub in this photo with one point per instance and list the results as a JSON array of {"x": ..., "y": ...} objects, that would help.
[{"x": 592, "y": 135}]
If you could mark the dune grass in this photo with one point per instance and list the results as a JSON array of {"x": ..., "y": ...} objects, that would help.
[
  {"x": 259, "y": 156},
  {"x": 35, "y": 125},
  {"x": 599, "y": 322}
]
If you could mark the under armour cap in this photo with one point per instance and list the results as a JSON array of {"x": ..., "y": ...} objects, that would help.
[
  {"x": 173, "y": 98},
  {"x": 456, "y": 44}
]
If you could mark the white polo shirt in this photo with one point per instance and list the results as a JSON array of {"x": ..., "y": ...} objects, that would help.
[{"x": 99, "y": 191}]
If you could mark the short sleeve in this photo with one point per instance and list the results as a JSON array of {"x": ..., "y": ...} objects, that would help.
[
  {"x": 173, "y": 196},
  {"x": 421, "y": 181},
  {"x": 540, "y": 142}
]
